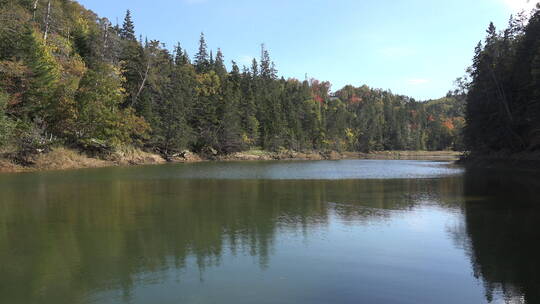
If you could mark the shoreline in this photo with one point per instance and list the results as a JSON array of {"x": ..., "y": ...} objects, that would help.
[
  {"x": 60, "y": 159},
  {"x": 523, "y": 161}
]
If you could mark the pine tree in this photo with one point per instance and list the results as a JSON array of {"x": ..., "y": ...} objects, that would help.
[
  {"x": 230, "y": 131},
  {"x": 186, "y": 57},
  {"x": 219, "y": 65},
  {"x": 174, "y": 107},
  {"x": 135, "y": 64},
  {"x": 205, "y": 118},
  {"x": 89, "y": 79},
  {"x": 202, "y": 63},
  {"x": 268, "y": 70},
  {"x": 254, "y": 69},
  {"x": 248, "y": 109},
  {"x": 181, "y": 57},
  {"x": 128, "y": 28},
  {"x": 178, "y": 54},
  {"x": 211, "y": 61}
]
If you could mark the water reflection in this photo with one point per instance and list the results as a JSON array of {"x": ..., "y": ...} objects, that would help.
[
  {"x": 135, "y": 235},
  {"x": 502, "y": 217}
]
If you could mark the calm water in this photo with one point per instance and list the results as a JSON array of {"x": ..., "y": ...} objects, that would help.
[{"x": 271, "y": 232}]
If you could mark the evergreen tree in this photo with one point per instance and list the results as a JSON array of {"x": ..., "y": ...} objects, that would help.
[
  {"x": 267, "y": 67},
  {"x": 173, "y": 130},
  {"x": 202, "y": 61},
  {"x": 205, "y": 120},
  {"x": 230, "y": 131},
  {"x": 128, "y": 28},
  {"x": 135, "y": 63},
  {"x": 219, "y": 65},
  {"x": 254, "y": 69},
  {"x": 248, "y": 108},
  {"x": 181, "y": 57},
  {"x": 89, "y": 82}
]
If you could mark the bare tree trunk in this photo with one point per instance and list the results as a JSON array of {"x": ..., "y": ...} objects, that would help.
[
  {"x": 502, "y": 95},
  {"x": 35, "y": 9},
  {"x": 47, "y": 21},
  {"x": 105, "y": 36},
  {"x": 145, "y": 77},
  {"x": 106, "y": 26}
]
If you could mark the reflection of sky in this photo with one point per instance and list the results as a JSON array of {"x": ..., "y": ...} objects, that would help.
[
  {"x": 374, "y": 237},
  {"x": 403, "y": 257},
  {"x": 329, "y": 170}
]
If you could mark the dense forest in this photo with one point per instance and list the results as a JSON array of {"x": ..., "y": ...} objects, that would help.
[
  {"x": 69, "y": 77},
  {"x": 503, "y": 100}
]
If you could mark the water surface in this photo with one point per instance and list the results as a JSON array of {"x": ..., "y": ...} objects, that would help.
[{"x": 350, "y": 231}]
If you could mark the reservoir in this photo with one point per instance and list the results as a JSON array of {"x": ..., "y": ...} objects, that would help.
[{"x": 349, "y": 231}]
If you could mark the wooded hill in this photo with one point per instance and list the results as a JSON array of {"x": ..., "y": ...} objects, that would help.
[
  {"x": 503, "y": 100},
  {"x": 69, "y": 77}
]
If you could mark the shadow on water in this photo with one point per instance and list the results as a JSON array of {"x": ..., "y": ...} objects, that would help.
[
  {"x": 502, "y": 217},
  {"x": 69, "y": 237}
]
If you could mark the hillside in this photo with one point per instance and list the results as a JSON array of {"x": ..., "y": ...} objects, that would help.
[{"x": 70, "y": 78}]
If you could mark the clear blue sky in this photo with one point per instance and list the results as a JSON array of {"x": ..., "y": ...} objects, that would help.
[{"x": 413, "y": 47}]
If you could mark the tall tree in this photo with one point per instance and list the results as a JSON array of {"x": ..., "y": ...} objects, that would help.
[
  {"x": 219, "y": 64},
  {"x": 202, "y": 61},
  {"x": 127, "y": 32},
  {"x": 181, "y": 57}
]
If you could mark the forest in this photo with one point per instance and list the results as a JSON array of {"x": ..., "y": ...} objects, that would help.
[
  {"x": 70, "y": 78},
  {"x": 503, "y": 90}
]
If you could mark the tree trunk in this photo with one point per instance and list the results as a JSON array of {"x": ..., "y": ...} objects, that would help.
[
  {"x": 47, "y": 21},
  {"x": 34, "y": 8},
  {"x": 144, "y": 78}
]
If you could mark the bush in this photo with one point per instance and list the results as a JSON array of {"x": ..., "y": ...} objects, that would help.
[
  {"x": 32, "y": 139},
  {"x": 6, "y": 125}
]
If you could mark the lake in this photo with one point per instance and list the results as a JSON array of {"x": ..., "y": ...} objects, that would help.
[{"x": 350, "y": 231}]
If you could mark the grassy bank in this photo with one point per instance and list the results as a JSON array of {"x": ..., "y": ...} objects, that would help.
[{"x": 61, "y": 158}]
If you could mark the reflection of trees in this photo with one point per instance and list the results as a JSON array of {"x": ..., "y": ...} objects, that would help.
[
  {"x": 61, "y": 240},
  {"x": 502, "y": 215}
]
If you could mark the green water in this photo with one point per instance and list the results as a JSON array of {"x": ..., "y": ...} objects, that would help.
[{"x": 271, "y": 232}]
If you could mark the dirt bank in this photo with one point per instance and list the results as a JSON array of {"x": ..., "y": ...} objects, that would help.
[{"x": 412, "y": 155}]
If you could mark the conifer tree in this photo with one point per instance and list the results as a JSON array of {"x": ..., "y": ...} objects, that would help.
[
  {"x": 219, "y": 65},
  {"x": 205, "y": 119},
  {"x": 93, "y": 81},
  {"x": 174, "y": 110},
  {"x": 181, "y": 57},
  {"x": 248, "y": 108},
  {"x": 254, "y": 69},
  {"x": 202, "y": 61},
  {"x": 178, "y": 54},
  {"x": 127, "y": 32},
  {"x": 230, "y": 131},
  {"x": 267, "y": 67}
]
